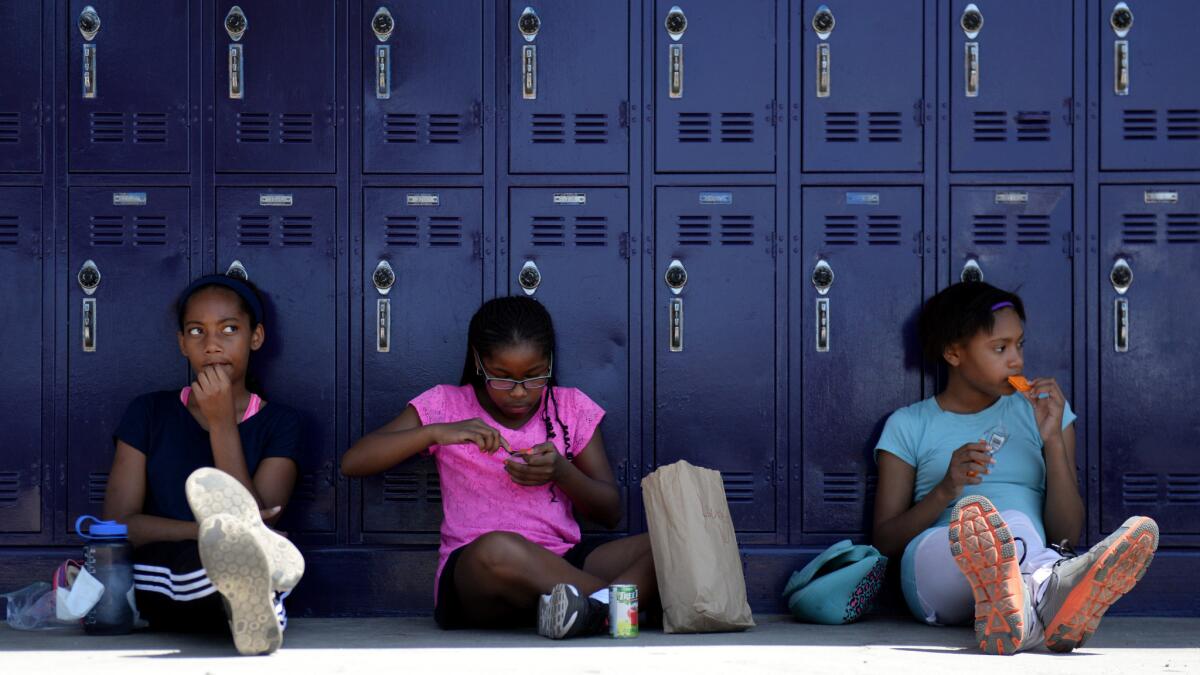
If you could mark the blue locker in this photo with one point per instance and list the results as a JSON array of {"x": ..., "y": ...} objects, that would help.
[
  {"x": 127, "y": 85},
  {"x": 274, "y": 86},
  {"x": 862, "y": 262},
  {"x": 1149, "y": 104},
  {"x": 863, "y": 79},
  {"x": 1010, "y": 85},
  {"x": 21, "y": 88},
  {"x": 21, "y": 388},
  {"x": 283, "y": 241},
  {"x": 568, "y": 86},
  {"x": 422, "y": 65},
  {"x": 1150, "y": 252},
  {"x": 420, "y": 244},
  {"x": 569, "y": 249},
  {"x": 714, "y": 86},
  {"x": 120, "y": 328},
  {"x": 714, "y": 344}
]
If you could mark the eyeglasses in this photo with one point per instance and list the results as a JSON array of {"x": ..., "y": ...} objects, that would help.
[{"x": 508, "y": 384}]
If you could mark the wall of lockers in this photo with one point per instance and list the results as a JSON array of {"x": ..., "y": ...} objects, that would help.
[{"x": 733, "y": 211}]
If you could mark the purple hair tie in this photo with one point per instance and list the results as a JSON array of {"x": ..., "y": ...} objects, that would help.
[{"x": 1001, "y": 305}]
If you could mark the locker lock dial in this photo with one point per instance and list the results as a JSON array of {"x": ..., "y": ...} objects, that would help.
[
  {"x": 235, "y": 23},
  {"x": 676, "y": 276},
  {"x": 383, "y": 278},
  {"x": 530, "y": 277},
  {"x": 971, "y": 272},
  {"x": 822, "y": 22},
  {"x": 88, "y": 277},
  {"x": 383, "y": 24},
  {"x": 529, "y": 24},
  {"x": 822, "y": 277},
  {"x": 972, "y": 21},
  {"x": 1121, "y": 19},
  {"x": 89, "y": 23},
  {"x": 1121, "y": 276},
  {"x": 676, "y": 23},
  {"x": 237, "y": 271}
]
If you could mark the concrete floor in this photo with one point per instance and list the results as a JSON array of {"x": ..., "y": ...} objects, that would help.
[{"x": 777, "y": 645}]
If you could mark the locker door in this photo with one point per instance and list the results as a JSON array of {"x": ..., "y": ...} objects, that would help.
[
  {"x": 127, "y": 85},
  {"x": 275, "y": 86},
  {"x": 21, "y": 87},
  {"x": 21, "y": 387},
  {"x": 862, "y": 80},
  {"x": 283, "y": 238},
  {"x": 422, "y": 65},
  {"x": 423, "y": 272},
  {"x": 714, "y": 343},
  {"x": 1148, "y": 356},
  {"x": 1010, "y": 85},
  {"x": 862, "y": 258},
  {"x": 569, "y": 250},
  {"x": 568, "y": 86},
  {"x": 1149, "y": 115},
  {"x": 718, "y": 114},
  {"x": 117, "y": 241}
]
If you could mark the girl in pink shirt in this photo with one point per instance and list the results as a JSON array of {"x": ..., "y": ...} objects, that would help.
[{"x": 518, "y": 458}]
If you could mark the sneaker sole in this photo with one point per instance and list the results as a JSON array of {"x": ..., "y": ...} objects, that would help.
[
  {"x": 552, "y": 620},
  {"x": 211, "y": 492},
  {"x": 1121, "y": 566},
  {"x": 985, "y": 552},
  {"x": 239, "y": 569}
]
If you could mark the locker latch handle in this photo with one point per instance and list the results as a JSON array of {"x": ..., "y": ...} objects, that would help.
[
  {"x": 529, "y": 71},
  {"x": 237, "y": 72},
  {"x": 1121, "y": 67},
  {"x": 823, "y": 70},
  {"x": 383, "y": 325},
  {"x": 972, "y": 69},
  {"x": 675, "y": 324},
  {"x": 383, "y": 71},
  {"x": 89, "y": 324},
  {"x": 822, "y": 324},
  {"x": 89, "y": 70},
  {"x": 675, "y": 65},
  {"x": 1121, "y": 324}
]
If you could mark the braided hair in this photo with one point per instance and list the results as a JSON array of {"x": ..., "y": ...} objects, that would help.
[{"x": 507, "y": 321}]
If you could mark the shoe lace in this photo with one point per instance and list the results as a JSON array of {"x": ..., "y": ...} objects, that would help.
[
  {"x": 1024, "y": 550},
  {"x": 1064, "y": 549}
]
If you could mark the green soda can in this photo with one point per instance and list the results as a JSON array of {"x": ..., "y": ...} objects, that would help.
[{"x": 623, "y": 611}]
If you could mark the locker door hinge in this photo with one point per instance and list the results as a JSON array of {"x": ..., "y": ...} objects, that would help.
[
  {"x": 477, "y": 114},
  {"x": 918, "y": 245},
  {"x": 776, "y": 472},
  {"x": 774, "y": 113},
  {"x": 1069, "y": 116},
  {"x": 623, "y": 115},
  {"x": 1068, "y": 246},
  {"x": 476, "y": 246},
  {"x": 623, "y": 245},
  {"x": 919, "y": 112},
  {"x": 621, "y": 472}
]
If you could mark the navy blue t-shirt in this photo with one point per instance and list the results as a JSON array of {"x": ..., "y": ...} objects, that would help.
[{"x": 161, "y": 428}]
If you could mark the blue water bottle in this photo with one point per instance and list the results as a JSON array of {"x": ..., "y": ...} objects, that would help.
[{"x": 108, "y": 557}]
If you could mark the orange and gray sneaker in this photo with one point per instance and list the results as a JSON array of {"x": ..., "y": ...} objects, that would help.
[
  {"x": 986, "y": 554},
  {"x": 1081, "y": 589}
]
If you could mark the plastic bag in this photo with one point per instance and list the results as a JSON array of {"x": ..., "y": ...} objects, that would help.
[{"x": 33, "y": 608}]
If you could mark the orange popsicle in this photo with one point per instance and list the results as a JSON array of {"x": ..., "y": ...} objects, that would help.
[{"x": 1019, "y": 382}]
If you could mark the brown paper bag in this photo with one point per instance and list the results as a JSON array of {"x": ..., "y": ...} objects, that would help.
[{"x": 695, "y": 551}]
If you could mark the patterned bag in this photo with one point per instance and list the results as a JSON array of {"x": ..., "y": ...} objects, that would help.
[{"x": 838, "y": 586}]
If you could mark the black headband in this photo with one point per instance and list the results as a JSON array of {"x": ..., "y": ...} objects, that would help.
[{"x": 232, "y": 283}]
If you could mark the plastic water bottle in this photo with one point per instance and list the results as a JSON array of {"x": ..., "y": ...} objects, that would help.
[
  {"x": 108, "y": 556},
  {"x": 996, "y": 437}
]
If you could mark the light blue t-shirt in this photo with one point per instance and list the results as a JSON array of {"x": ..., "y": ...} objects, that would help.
[{"x": 924, "y": 436}]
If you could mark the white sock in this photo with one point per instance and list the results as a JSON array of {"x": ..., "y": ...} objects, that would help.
[{"x": 601, "y": 595}]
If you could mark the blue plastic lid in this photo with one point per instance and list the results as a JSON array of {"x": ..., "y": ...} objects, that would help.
[{"x": 101, "y": 529}]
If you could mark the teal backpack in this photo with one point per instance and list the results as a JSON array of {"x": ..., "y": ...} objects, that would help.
[{"x": 838, "y": 586}]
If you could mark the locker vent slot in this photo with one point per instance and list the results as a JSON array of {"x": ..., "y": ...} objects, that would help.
[
  {"x": 149, "y": 230},
  {"x": 1139, "y": 124},
  {"x": 10, "y": 127},
  {"x": 549, "y": 231},
  {"x": 306, "y": 488},
  {"x": 883, "y": 127},
  {"x": 9, "y": 484},
  {"x": 445, "y": 231},
  {"x": 149, "y": 127},
  {"x": 1033, "y": 126},
  {"x": 1183, "y": 488},
  {"x": 253, "y": 127},
  {"x": 739, "y": 487},
  {"x": 254, "y": 231},
  {"x": 1139, "y": 228},
  {"x": 737, "y": 230},
  {"x": 1139, "y": 488},
  {"x": 433, "y": 488},
  {"x": 108, "y": 230},
  {"x": 107, "y": 127},
  {"x": 406, "y": 487},
  {"x": 694, "y": 230},
  {"x": 591, "y": 231},
  {"x": 1183, "y": 125},
  {"x": 398, "y": 128},
  {"x": 841, "y": 127},
  {"x": 989, "y": 229},
  {"x": 693, "y": 127},
  {"x": 401, "y": 231},
  {"x": 883, "y": 230},
  {"x": 1033, "y": 230},
  {"x": 97, "y": 485},
  {"x": 841, "y": 488},
  {"x": 737, "y": 127},
  {"x": 1183, "y": 228},
  {"x": 295, "y": 128},
  {"x": 841, "y": 230},
  {"x": 9, "y": 231},
  {"x": 591, "y": 128},
  {"x": 548, "y": 128},
  {"x": 990, "y": 126},
  {"x": 445, "y": 128},
  {"x": 297, "y": 230}
]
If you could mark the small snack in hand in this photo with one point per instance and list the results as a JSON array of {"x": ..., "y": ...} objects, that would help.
[{"x": 1019, "y": 382}]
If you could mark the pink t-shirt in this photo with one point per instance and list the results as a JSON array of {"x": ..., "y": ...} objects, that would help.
[{"x": 478, "y": 496}]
